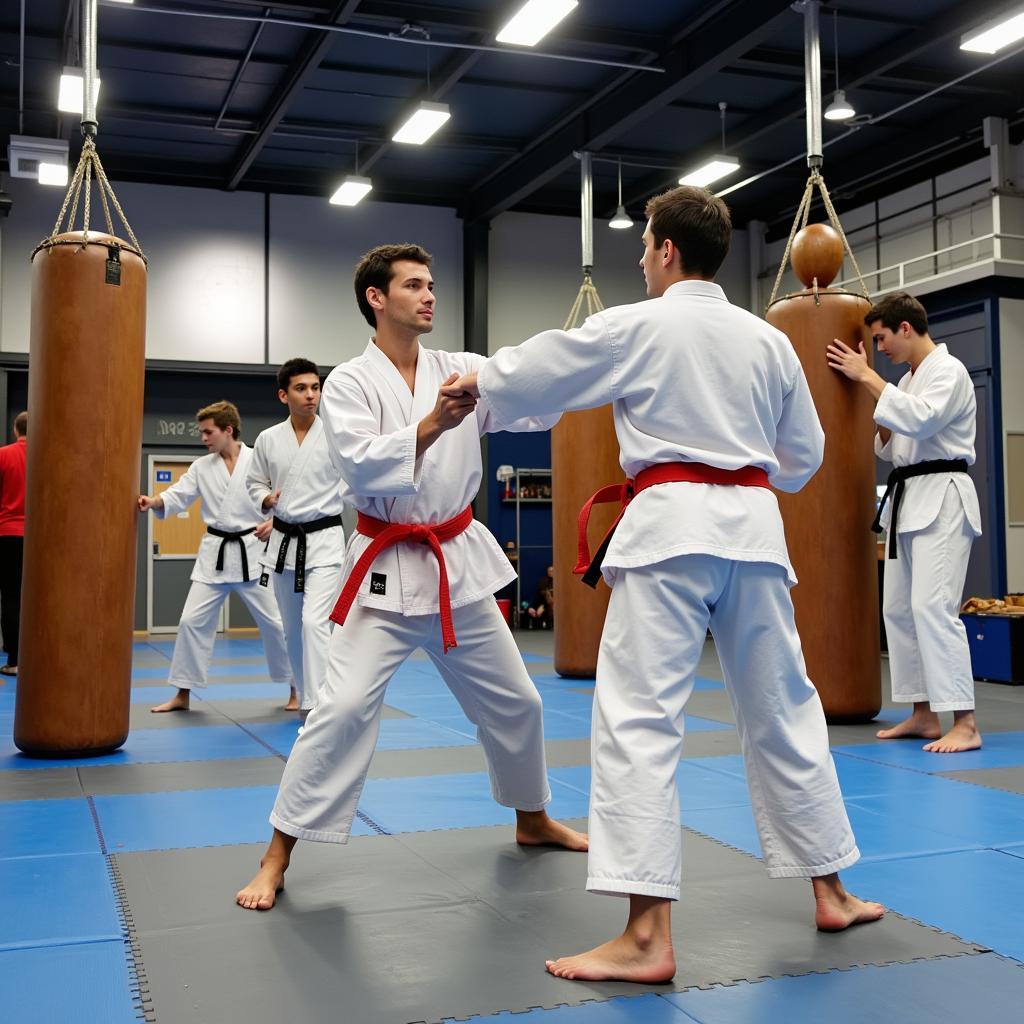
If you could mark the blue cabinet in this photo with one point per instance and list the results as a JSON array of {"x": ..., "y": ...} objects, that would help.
[{"x": 997, "y": 647}]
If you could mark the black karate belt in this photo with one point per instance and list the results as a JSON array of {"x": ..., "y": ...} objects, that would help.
[
  {"x": 299, "y": 530},
  {"x": 227, "y": 538},
  {"x": 896, "y": 484}
]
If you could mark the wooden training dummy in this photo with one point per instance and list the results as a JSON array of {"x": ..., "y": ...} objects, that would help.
[
  {"x": 828, "y": 522},
  {"x": 86, "y": 378}
]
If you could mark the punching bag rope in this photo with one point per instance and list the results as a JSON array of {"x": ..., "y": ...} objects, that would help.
[{"x": 800, "y": 222}]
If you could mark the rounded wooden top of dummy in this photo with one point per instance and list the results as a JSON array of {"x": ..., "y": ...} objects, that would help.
[{"x": 817, "y": 253}]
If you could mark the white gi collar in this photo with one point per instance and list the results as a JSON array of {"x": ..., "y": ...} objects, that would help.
[{"x": 706, "y": 289}]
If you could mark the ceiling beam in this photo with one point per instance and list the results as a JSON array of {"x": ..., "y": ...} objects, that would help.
[
  {"x": 695, "y": 55},
  {"x": 312, "y": 52}
]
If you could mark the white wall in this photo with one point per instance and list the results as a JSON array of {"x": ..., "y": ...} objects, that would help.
[
  {"x": 534, "y": 273},
  {"x": 1011, "y": 354},
  {"x": 314, "y": 248}
]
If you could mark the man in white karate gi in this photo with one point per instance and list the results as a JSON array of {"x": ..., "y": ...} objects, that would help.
[
  {"x": 926, "y": 428},
  {"x": 710, "y": 405},
  {"x": 291, "y": 475},
  {"x": 420, "y": 573},
  {"x": 228, "y": 558}
]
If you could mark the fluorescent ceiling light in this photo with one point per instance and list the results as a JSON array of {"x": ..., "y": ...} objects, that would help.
[
  {"x": 351, "y": 191},
  {"x": 621, "y": 220},
  {"x": 72, "y": 91},
  {"x": 713, "y": 169},
  {"x": 422, "y": 123},
  {"x": 53, "y": 174},
  {"x": 839, "y": 109},
  {"x": 535, "y": 19},
  {"x": 994, "y": 35}
]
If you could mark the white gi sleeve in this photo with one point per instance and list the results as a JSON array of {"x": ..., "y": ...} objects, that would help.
[
  {"x": 373, "y": 464},
  {"x": 923, "y": 415},
  {"x": 799, "y": 439},
  {"x": 489, "y": 423},
  {"x": 883, "y": 451},
  {"x": 180, "y": 495},
  {"x": 257, "y": 480},
  {"x": 554, "y": 371}
]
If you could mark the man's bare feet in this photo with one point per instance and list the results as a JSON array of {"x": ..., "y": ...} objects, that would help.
[
  {"x": 836, "y": 909},
  {"x": 535, "y": 828},
  {"x": 642, "y": 953},
  {"x": 962, "y": 736},
  {"x": 923, "y": 723},
  {"x": 179, "y": 702},
  {"x": 293, "y": 702},
  {"x": 261, "y": 892}
]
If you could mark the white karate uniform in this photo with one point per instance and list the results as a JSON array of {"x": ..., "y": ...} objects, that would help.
[
  {"x": 226, "y": 506},
  {"x": 371, "y": 417},
  {"x": 932, "y": 415},
  {"x": 310, "y": 489},
  {"x": 692, "y": 378}
]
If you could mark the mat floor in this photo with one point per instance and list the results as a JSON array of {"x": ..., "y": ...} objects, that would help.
[{"x": 119, "y": 873}]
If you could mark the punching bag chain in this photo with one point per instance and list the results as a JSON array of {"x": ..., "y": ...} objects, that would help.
[
  {"x": 89, "y": 163},
  {"x": 800, "y": 221}
]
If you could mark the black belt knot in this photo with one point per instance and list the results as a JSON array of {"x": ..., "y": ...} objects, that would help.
[
  {"x": 896, "y": 483},
  {"x": 226, "y": 538},
  {"x": 299, "y": 530}
]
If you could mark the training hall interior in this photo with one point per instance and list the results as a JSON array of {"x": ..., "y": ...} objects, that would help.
[{"x": 234, "y": 162}]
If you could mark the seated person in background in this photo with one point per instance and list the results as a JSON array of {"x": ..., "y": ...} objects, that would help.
[{"x": 543, "y": 611}]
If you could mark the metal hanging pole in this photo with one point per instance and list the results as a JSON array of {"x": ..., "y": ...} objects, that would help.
[
  {"x": 90, "y": 126},
  {"x": 587, "y": 211},
  {"x": 812, "y": 81}
]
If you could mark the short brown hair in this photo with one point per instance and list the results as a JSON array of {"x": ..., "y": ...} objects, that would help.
[
  {"x": 698, "y": 224},
  {"x": 295, "y": 368},
  {"x": 21, "y": 425},
  {"x": 374, "y": 271},
  {"x": 895, "y": 308},
  {"x": 224, "y": 415}
]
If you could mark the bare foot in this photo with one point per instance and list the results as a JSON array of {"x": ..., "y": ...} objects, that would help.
[
  {"x": 293, "y": 702},
  {"x": 535, "y": 828},
  {"x": 963, "y": 735},
  {"x": 623, "y": 959},
  {"x": 261, "y": 892},
  {"x": 836, "y": 909},
  {"x": 921, "y": 724},
  {"x": 179, "y": 702}
]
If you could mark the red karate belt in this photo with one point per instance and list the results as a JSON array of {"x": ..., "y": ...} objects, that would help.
[
  {"x": 386, "y": 535},
  {"x": 666, "y": 473}
]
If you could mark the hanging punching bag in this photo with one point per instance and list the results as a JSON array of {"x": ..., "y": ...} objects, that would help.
[
  {"x": 828, "y": 522},
  {"x": 86, "y": 375},
  {"x": 584, "y": 457}
]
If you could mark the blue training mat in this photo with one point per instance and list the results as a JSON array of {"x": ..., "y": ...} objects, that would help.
[
  {"x": 151, "y": 746},
  {"x": 976, "y": 895},
  {"x": 54, "y": 901},
  {"x": 981, "y": 989},
  {"x": 86, "y": 983},
  {"x": 1000, "y": 750},
  {"x": 36, "y": 828},
  {"x": 646, "y": 1009},
  {"x": 190, "y": 818},
  {"x": 395, "y": 734}
]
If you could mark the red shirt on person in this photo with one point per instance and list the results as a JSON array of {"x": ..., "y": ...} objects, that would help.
[{"x": 12, "y": 488}]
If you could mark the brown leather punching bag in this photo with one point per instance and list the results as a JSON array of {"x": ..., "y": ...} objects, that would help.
[
  {"x": 86, "y": 377},
  {"x": 584, "y": 457},
  {"x": 828, "y": 522}
]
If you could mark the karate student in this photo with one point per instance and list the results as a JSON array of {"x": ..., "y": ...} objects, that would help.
[
  {"x": 228, "y": 557},
  {"x": 420, "y": 572},
  {"x": 291, "y": 475},
  {"x": 930, "y": 511},
  {"x": 710, "y": 405}
]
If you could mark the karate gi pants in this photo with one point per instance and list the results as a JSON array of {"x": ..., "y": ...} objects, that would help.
[
  {"x": 306, "y": 618},
  {"x": 325, "y": 773},
  {"x": 929, "y": 657},
  {"x": 198, "y": 629},
  {"x": 652, "y": 641}
]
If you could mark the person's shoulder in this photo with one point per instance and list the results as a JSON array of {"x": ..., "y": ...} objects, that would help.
[
  {"x": 268, "y": 433},
  {"x": 453, "y": 362}
]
